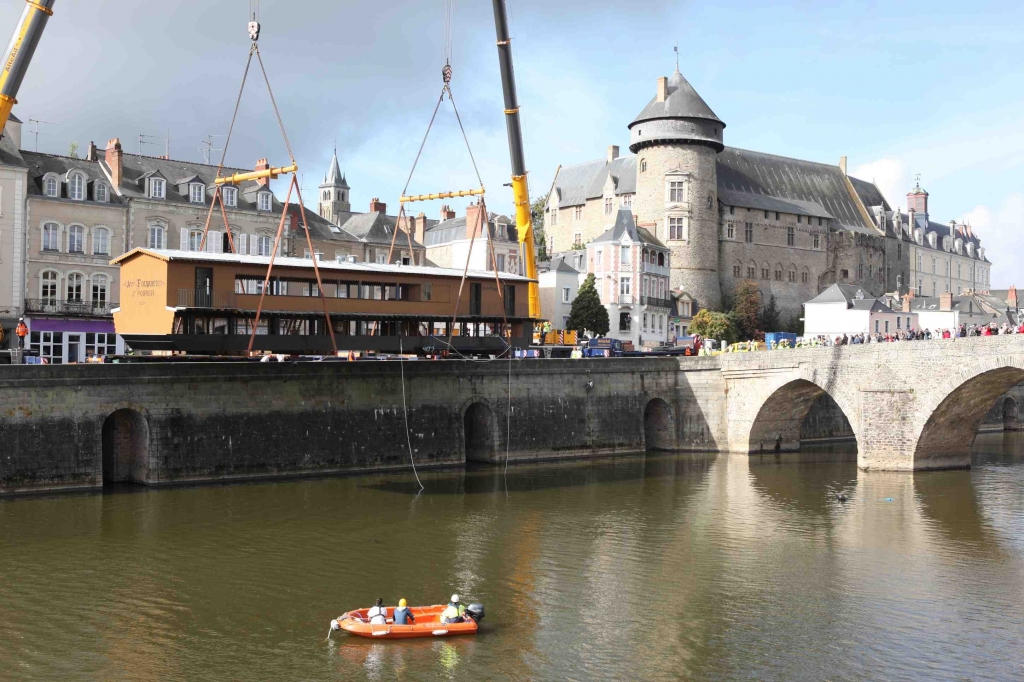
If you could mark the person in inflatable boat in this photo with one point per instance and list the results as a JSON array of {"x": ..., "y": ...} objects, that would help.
[
  {"x": 403, "y": 616},
  {"x": 378, "y": 614},
  {"x": 454, "y": 612}
]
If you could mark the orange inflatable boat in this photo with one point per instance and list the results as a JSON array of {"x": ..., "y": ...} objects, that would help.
[{"x": 427, "y": 623}]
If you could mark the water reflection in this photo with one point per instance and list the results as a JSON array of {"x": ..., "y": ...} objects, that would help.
[{"x": 642, "y": 567}]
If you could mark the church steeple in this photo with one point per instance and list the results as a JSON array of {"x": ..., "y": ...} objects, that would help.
[{"x": 334, "y": 193}]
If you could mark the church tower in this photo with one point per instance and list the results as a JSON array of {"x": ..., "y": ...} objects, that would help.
[
  {"x": 676, "y": 139},
  {"x": 334, "y": 194}
]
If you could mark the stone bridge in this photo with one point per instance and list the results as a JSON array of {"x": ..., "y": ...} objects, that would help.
[{"x": 912, "y": 406}]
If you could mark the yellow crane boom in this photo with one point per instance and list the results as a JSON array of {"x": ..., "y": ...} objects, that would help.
[
  {"x": 19, "y": 53},
  {"x": 520, "y": 187}
]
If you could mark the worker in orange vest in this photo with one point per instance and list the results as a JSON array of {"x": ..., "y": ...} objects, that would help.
[{"x": 21, "y": 331}]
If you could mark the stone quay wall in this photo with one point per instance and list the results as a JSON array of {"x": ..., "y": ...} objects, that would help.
[{"x": 78, "y": 426}]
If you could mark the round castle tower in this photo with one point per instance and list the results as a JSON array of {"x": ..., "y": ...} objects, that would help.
[{"x": 676, "y": 139}]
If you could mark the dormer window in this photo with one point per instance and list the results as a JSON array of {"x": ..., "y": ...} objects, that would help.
[
  {"x": 76, "y": 186},
  {"x": 50, "y": 186},
  {"x": 157, "y": 188},
  {"x": 230, "y": 196},
  {"x": 99, "y": 192},
  {"x": 197, "y": 193},
  {"x": 265, "y": 203}
]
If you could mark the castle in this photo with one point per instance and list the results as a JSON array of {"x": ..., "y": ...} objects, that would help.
[{"x": 726, "y": 215}]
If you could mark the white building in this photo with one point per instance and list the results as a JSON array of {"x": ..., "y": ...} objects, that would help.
[
  {"x": 558, "y": 283},
  {"x": 454, "y": 241},
  {"x": 844, "y": 309}
]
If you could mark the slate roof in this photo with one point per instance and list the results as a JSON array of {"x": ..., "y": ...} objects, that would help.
[
  {"x": 10, "y": 155},
  {"x": 750, "y": 179},
  {"x": 40, "y": 164},
  {"x": 135, "y": 167},
  {"x": 842, "y": 293},
  {"x": 454, "y": 229},
  {"x": 319, "y": 227},
  {"x": 374, "y": 228},
  {"x": 625, "y": 224},
  {"x": 558, "y": 264},
  {"x": 682, "y": 102}
]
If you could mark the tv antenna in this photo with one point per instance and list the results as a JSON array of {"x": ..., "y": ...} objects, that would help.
[
  {"x": 145, "y": 139},
  {"x": 206, "y": 147},
  {"x": 35, "y": 128}
]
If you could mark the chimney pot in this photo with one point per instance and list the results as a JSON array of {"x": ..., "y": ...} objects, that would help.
[
  {"x": 446, "y": 212},
  {"x": 1011, "y": 297},
  {"x": 473, "y": 220},
  {"x": 907, "y": 300},
  {"x": 262, "y": 164},
  {"x": 376, "y": 205},
  {"x": 946, "y": 301},
  {"x": 662, "y": 89},
  {"x": 842, "y": 164},
  {"x": 613, "y": 152},
  {"x": 90, "y": 152}
]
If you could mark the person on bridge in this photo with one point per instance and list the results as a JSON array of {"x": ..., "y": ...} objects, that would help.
[
  {"x": 403, "y": 616},
  {"x": 454, "y": 612},
  {"x": 378, "y": 613}
]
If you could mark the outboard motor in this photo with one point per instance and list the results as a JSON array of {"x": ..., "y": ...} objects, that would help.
[{"x": 475, "y": 611}]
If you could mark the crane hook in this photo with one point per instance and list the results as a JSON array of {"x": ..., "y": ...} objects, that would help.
[
  {"x": 446, "y": 73},
  {"x": 254, "y": 30}
]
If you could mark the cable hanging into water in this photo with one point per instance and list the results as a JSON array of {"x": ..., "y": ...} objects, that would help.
[{"x": 405, "y": 412}]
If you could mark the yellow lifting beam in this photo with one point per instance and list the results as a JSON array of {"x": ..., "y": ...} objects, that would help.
[
  {"x": 442, "y": 195},
  {"x": 256, "y": 175}
]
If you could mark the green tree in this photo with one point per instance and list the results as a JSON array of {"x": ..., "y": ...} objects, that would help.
[
  {"x": 770, "y": 316},
  {"x": 746, "y": 308},
  {"x": 712, "y": 325},
  {"x": 587, "y": 313},
  {"x": 73, "y": 150},
  {"x": 539, "y": 238}
]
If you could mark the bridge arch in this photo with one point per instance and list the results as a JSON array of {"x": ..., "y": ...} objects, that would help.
[
  {"x": 779, "y": 423},
  {"x": 958, "y": 408},
  {"x": 659, "y": 425}
]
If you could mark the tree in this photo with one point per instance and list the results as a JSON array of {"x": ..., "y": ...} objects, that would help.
[
  {"x": 587, "y": 312},
  {"x": 770, "y": 316},
  {"x": 539, "y": 238},
  {"x": 73, "y": 150},
  {"x": 746, "y": 308},
  {"x": 713, "y": 325}
]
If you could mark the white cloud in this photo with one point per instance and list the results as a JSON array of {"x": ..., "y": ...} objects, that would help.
[
  {"x": 890, "y": 176},
  {"x": 1002, "y": 233}
]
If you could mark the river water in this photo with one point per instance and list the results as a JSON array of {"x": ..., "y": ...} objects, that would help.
[{"x": 645, "y": 567}]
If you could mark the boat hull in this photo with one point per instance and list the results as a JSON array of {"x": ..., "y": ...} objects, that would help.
[{"x": 427, "y": 623}]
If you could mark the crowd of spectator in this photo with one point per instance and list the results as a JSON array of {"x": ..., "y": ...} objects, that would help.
[{"x": 962, "y": 331}]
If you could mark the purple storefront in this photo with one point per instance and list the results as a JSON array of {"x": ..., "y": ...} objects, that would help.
[{"x": 65, "y": 340}]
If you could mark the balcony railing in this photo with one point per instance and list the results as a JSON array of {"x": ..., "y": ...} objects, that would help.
[
  {"x": 62, "y": 307},
  {"x": 624, "y": 299},
  {"x": 201, "y": 298},
  {"x": 656, "y": 302},
  {"x": 655, "y": 269}
]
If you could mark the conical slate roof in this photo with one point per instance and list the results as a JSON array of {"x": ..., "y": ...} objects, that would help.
[
  {"x": 334, "y": 176},
  {"x": 682, "y": 102}
]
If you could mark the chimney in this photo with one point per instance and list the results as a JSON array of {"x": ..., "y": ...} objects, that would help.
[
  {"x": 946, "y": 301},
  {"x": 113, "y": 159},
  {"x": 1011, "y": 297},
  {"x": 447, "y": 213},
  {"x": 907, "y": 298},
  {"x": 90, "y": 152},
  {"x": 662, "y": 89},
  {"x": 613, "y": 152},
  {"x": 377, "y": 206},
  {"x": 842, "y": 164},
  {"x": 262, "y": 164},
  {"x": 420, "y": 228},
  {"x": 473, "y": 218},
  {"x": 13, "y": 129}
]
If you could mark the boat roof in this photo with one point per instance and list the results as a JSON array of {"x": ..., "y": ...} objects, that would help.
[{"x": 326, "y": 265}]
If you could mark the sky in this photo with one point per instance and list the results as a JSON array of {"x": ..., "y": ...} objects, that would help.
[{"x": 901, "y": 88}]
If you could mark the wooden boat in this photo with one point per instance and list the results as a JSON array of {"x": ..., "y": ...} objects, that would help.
[{"x": 427, "y": 623}]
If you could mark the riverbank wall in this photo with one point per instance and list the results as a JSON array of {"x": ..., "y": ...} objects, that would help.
[{"x": 83, "y": 426}]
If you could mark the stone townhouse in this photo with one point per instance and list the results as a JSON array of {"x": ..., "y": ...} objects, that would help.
[
  {"x": 448, "y": 241},
  {"x": 74, "y": 225},
  {"x": 793, "y": 226}
]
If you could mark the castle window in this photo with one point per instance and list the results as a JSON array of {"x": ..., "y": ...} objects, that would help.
[
  {"x": 554, "y": 215},
  {"x": 676, "y": 191},
  {"x": 804, "y": 276},
  {"x": 607, "y": 205},
  {"x": 643, "y": 165},
  {"x": 732, "y": 210},
  {"x": 790, "y": 235},
  {"x": 776, "y": 215},
  {"x": 765, "y": 273},
  {"x": 845, "y": 274},
  {"x": 817, "y": 241},
  {"x": 730, "y": 231},
  {"x": 735, "y": 271},
  {"x": 748, "y": 233},
  {"x": 577, "y": 240},
  {"x": 627, "y": 200},
  {"x": 819, "y": 222},
  {"x": 791, "y": 275},
  {"x": 766, "y": 215},
  {"x": 778, "y": 275},
  {"x": 578, "y": 214},
  {"x": 751, "y": 273},
  {"x": 899, "y": 252},
  {"x": 860, "y": 271},
  {"x": 677, "y": 228},
  {"x": 800, "y": 219},
  {"x": 230, "y": 196}
]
